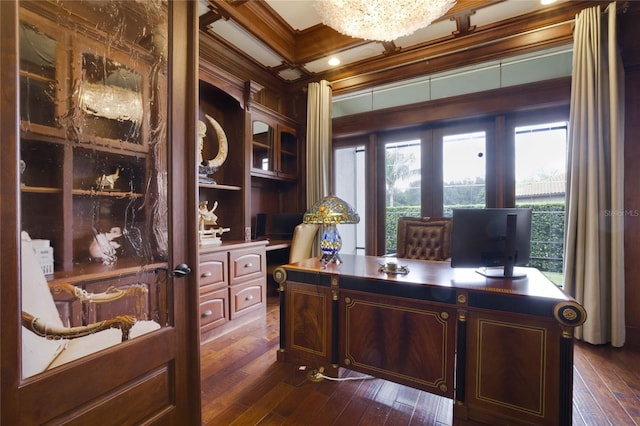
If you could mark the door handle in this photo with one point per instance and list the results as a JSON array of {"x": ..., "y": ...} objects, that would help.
[{"x": 181, "y": 270}]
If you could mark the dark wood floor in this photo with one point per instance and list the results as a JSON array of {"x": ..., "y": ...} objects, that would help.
[{"x": 242, "y": 384}]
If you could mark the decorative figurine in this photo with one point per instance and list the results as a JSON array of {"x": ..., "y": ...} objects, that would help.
[
  {"x": 208, "y": 217},
  {"x": 103, "y": 248},
  {"x": 108, "y": 182},
  {"x": 208, "y": 167}
]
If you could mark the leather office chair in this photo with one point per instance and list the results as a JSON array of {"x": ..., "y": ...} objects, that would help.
[{"x": 424, "y": 238}]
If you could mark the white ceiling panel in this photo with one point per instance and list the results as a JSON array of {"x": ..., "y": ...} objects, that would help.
[
  {"x": 431, "y": 32},
  {"x": 500, "y": 11},
  {"x": 348, "y": 56},
  {"x": 300, "y": 14},
  {"x": 244, "y": 41},
  {"x": 290, "y": 74}
]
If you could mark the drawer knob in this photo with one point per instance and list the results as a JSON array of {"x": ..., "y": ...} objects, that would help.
[
  {"x": 206, "y": 274},
  {"x": 207, "y": 313},
  {"x": 249, "y": 297},
  {"x": 248, "y": 265}
]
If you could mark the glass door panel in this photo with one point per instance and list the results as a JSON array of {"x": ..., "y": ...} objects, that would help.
[
  {"x": 93, "y": 195},
  {"x": 263, "y": 146},
  {"x": 402, "y": 186},
  {"x": 349, "y": 178},
  {"x": 463, "y": 171},
  {"x": 540, "y": 183},
  {"x": 288, "y": 153}
]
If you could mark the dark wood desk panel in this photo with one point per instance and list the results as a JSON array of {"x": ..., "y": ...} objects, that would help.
[
  {"x": 507, "y": 343},
  {"x": 399, "y": 339}
]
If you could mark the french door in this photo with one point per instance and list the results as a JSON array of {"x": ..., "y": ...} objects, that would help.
[{"x": 98, "y": 108}]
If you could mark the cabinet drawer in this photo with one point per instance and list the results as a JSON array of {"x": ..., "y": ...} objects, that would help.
[
  {"x": 213, "y": 309},
  {"x": 213, "y": 271},
  {"x": 247, "y": 297},
  {"x": 246, "y": 264}
]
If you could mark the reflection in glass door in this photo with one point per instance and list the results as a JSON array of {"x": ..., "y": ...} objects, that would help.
[
  {"x": 463, "y": 171},
  {"x": 349, "y": 185}
]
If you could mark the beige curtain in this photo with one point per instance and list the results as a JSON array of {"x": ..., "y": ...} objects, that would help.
[
  {"x": 594, "y": 251},
  {"x": 319, "y": 152},
  {"x": 318, "y": 141}
]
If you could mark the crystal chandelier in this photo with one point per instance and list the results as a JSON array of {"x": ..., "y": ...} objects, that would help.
[{"x": 381, "y": 20}]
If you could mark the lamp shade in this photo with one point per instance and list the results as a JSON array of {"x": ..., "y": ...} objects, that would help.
[{"x": 331, "y": 210}]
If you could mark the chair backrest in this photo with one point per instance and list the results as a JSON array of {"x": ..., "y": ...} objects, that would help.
[
  {"x": 424, "y": 238},
  {"x": 37, "y": 352},
  {"x": 302, "y": 241}
]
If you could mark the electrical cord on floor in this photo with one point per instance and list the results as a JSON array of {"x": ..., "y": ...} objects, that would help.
[{"x": 318, "y": 375}]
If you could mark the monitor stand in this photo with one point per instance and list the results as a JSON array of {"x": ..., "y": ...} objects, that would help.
[{"x": 499, "y": 272}]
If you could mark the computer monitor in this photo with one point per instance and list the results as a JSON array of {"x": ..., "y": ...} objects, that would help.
[
  {"x": 283, "y": 224},
  {"x": 494, "y": 240},
  {"x": 260, "y": 226}
]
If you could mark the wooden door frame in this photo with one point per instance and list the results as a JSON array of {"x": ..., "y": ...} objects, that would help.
[{"x": 182, "y": 101}]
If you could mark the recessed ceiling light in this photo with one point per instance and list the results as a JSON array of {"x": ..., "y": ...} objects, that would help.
[
  {"x": 546, "y": 2},
  {"x": 334, "y": 61}
]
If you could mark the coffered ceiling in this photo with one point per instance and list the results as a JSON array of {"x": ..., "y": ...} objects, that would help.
[{"x": 284, "y": 40}]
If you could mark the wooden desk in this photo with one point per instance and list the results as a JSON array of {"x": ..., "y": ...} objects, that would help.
[
  {"x": 501, "y": 348},
  {"x": 277, "y": 244}
]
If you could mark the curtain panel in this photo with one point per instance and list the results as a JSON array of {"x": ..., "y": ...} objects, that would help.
[
  {"x": 318, "y": 141},
  {"x": 594, "y": 234},
  {"x": 319, "y": 149}
]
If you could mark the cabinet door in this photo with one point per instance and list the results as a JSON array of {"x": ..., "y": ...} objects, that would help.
[
  {"x": 263, "y": 147},
  {"x": 288, "y": 152},
  {"x": 88, "y": 210}
]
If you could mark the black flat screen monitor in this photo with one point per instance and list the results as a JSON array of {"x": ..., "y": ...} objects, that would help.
[
  {"x": 494, "y": 240},
  {"x": 283, "y": 224}
]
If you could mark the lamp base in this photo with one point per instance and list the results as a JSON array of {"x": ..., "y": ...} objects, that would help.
[{"x": 330, "y": 258}]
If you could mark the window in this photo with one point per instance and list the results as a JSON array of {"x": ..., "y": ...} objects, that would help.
[
  {"x": 349, "y": 178},
  {"x": 402, "y": 186},
  {"x": 540, "y": 182},
  {"x": 463, "y": 171}
]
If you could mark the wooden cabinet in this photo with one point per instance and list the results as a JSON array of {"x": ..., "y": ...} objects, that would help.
[
  {"x": 230, "y": 190},
  {"x": 232, "y": 286},
  {"x": 214, "y": 293},
  {"x": 274, "y": 146}
]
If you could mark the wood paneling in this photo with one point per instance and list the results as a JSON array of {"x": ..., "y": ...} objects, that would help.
[{"x": 631, "y": 57}]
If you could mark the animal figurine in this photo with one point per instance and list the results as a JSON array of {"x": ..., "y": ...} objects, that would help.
[
  {"x": 206, "y": 216},
  {"x": 103, "y": 247},
  {"x": 108, "y": 181}
]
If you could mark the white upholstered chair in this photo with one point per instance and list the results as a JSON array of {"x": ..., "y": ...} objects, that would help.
[
  {"x": 304, "y": 235},
  {"x": 46, "y": 342}
]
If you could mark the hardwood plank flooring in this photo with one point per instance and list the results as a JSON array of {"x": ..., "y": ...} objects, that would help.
[{"x": 243, "y": 384}]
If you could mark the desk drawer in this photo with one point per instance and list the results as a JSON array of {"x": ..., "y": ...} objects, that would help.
[
  {"x": 213, "y": 309},
  {"x": 246, "y": 264},
  {"x": 213, "y": 271},
  {"x": 247, "y": 297}
]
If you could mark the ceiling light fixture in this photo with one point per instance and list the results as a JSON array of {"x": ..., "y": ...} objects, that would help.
[
  {"x": 380, "y": 20},
  {"x": 334, "y": 62}
]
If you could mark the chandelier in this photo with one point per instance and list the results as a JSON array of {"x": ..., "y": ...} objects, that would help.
[{"x": 380, "y": 20}]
